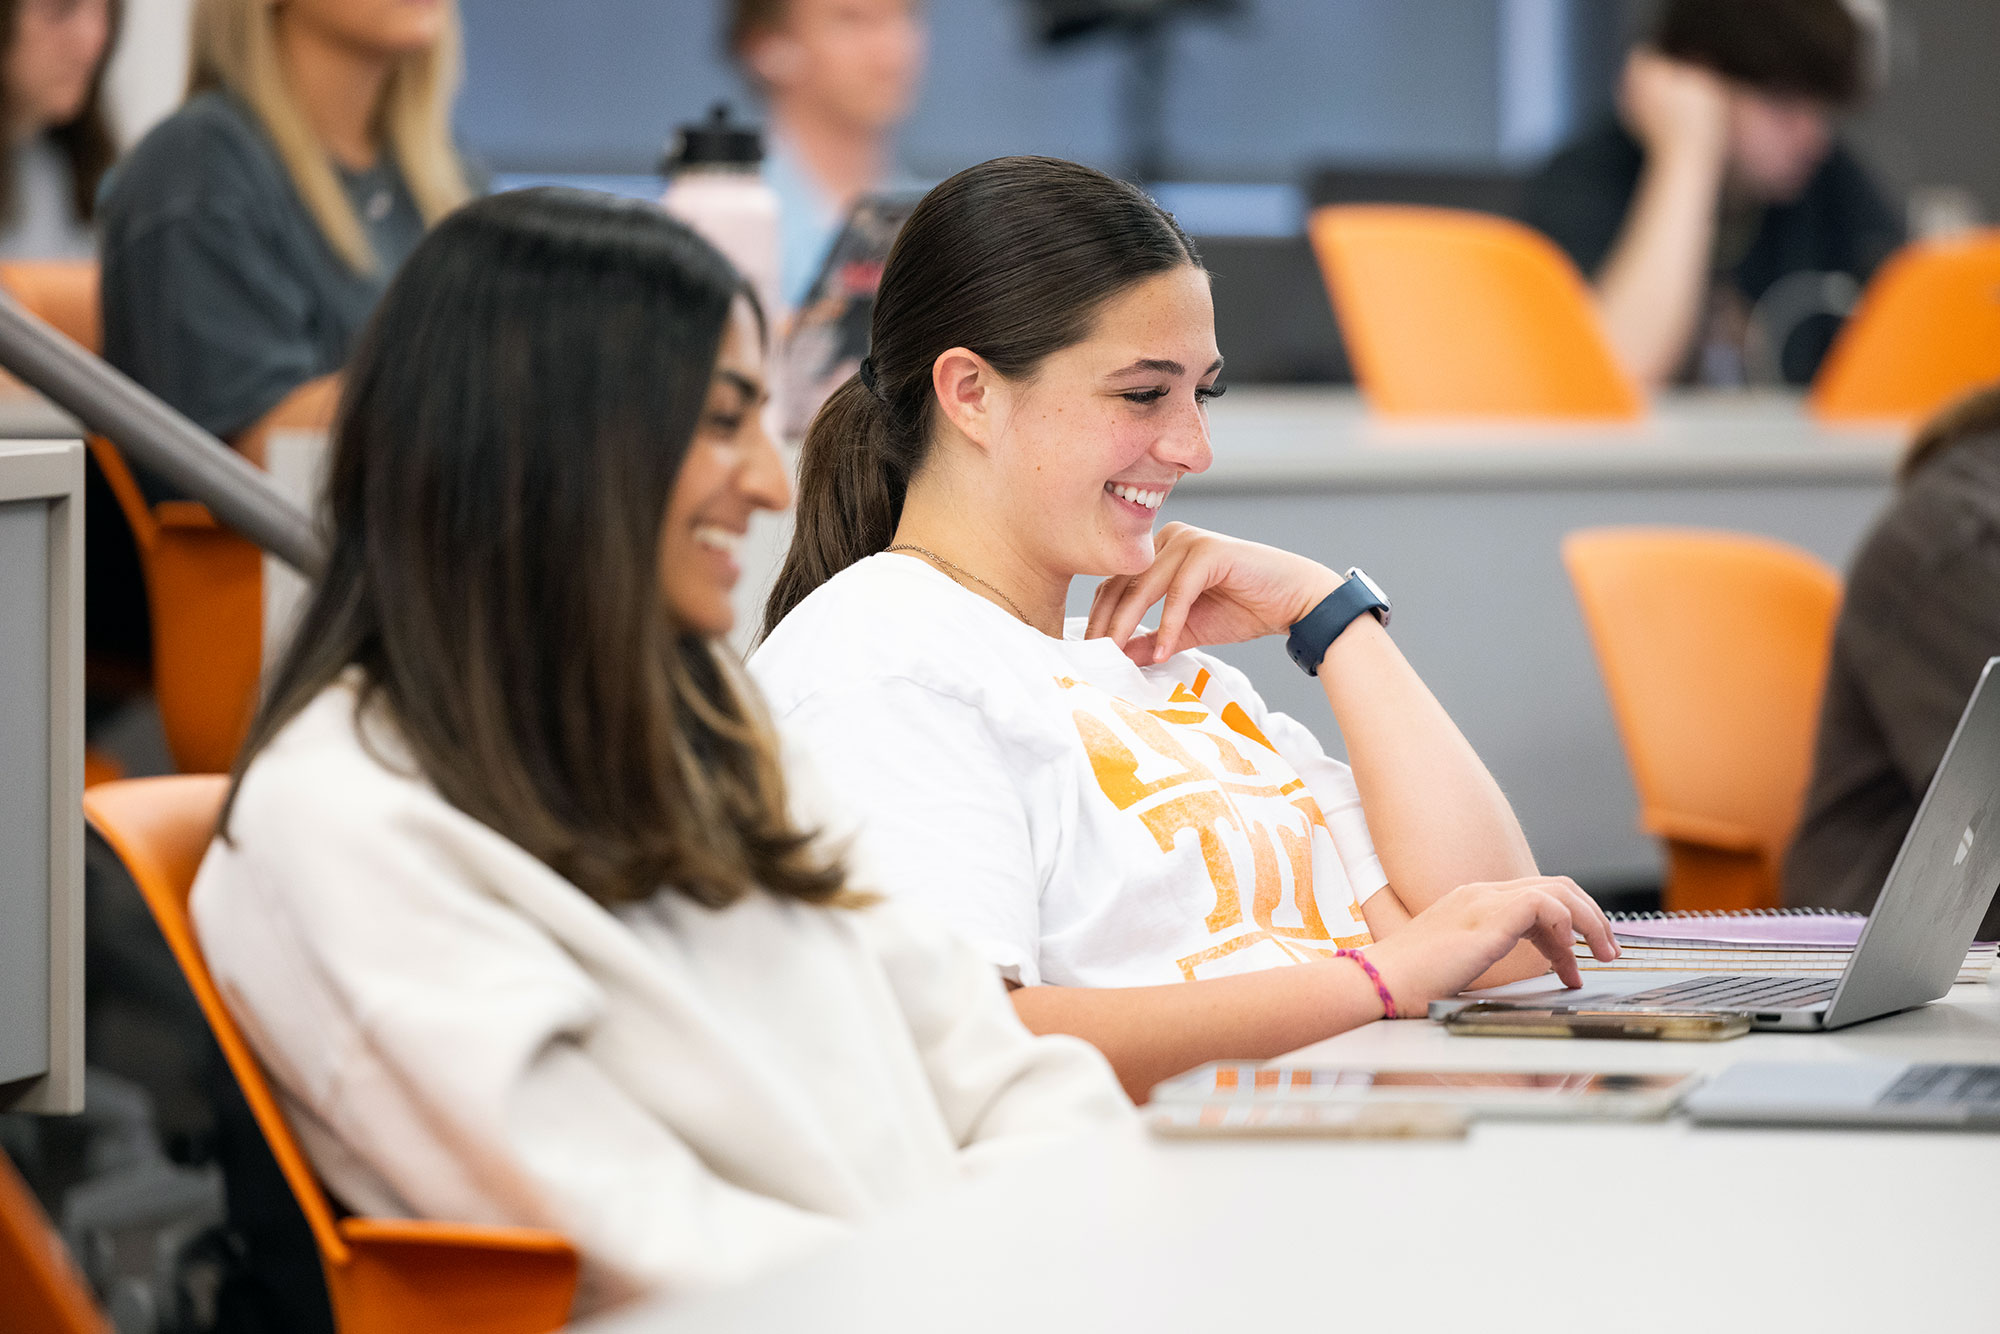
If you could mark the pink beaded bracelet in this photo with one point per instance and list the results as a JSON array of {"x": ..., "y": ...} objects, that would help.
[{"x": 1388, "y": 1001}]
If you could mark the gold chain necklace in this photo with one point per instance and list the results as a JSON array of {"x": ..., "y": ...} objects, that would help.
[{"x": 959, "y": 575}]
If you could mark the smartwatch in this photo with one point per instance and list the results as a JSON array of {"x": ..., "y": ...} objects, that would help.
[{"x": 1317, "y": 630}]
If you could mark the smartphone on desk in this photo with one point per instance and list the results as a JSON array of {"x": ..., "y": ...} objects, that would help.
[
  {"x": 1318, "y": 1120},
  {"x": 1512, "y": 1021},
  {"x": 1505, "y": 1094}
]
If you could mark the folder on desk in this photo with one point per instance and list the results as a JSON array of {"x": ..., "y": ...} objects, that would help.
[{"x": 1807, "y": 941}]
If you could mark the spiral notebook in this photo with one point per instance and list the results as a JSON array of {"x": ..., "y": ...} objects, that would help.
[{"x": 1758, "y": 940}]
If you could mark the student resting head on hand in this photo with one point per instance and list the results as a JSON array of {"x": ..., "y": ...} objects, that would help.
[
  {"x": 1153, "y": 859},
  {"x": 510, "y": 896},
  {"x": 1709, "y": 215}
]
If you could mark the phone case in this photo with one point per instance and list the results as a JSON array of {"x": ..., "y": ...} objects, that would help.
[
  {"x": 1660, "y": 1025},
  {"x": 1375, "y": 1120}
]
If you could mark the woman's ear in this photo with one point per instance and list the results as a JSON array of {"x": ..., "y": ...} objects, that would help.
[{"x": 968, "y": 390}]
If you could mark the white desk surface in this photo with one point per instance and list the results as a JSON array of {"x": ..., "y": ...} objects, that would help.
[
  {"x": 1266, "y": 435},
  {"x": 1614, "y": 1226}
]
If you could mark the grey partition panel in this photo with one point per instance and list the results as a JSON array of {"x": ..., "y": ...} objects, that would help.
[
  {"x": 24, "y": 790},
  {"x": 41, "y": 775}
]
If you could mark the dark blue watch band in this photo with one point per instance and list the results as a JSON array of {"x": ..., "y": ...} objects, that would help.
[{"x": 1318, "y": 628}]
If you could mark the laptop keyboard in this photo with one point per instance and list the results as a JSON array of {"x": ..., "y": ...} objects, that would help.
[
  {"x": 1976, "y": 1086},
  {"x": 1733, "y": 991}
]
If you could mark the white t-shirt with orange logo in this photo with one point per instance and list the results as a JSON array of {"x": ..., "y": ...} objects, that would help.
[{"x": 1081, "y": 820}]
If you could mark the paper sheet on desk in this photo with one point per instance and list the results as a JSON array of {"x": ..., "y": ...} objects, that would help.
[{"x": 1977, "y": 967}]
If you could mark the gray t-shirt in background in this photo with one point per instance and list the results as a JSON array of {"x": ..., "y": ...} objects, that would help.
[{"x": 220, "y": 293}]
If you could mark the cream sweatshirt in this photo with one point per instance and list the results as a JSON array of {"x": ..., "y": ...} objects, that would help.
[{"x": 690, "y": 1095}]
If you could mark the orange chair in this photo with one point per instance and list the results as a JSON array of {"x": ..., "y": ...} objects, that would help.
[
  {"x": 1454, "y": 314},
  {"x": 382, "y": 1274},
  {"x": 1926, "y": 331},
  {"x": 40, "y": 1290},
  {"x": 1714, "y": 649},
  {"x": 203, "y": 585},
  {"x": 205, "y": 588},
  {"x": 61, "y": 292}
]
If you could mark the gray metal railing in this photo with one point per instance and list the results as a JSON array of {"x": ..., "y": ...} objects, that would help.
[{"x": 157, "y": 438}]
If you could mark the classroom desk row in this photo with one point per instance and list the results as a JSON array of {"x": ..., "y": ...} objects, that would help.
[{"x": 1522, "y": 1226}]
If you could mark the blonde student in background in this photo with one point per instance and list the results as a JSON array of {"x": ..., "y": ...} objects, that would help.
[
  {"x": 1153, "y": 859},
  {"x": 247, "y": 238},
  {"x": 509, "y": 896}
]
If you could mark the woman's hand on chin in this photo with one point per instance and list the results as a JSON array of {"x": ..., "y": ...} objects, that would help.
[{"x": 1211, "y": 590}]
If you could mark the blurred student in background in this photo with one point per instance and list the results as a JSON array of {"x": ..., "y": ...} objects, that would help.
[
  {"x": 1154, "y": 859},
  {"x": 513, "y": 897},
  {"x": 1920, "y": 618},
  {"x": 838, "y": 77},
  {"x": 1721, "y": 180},
  {"x": 59, "y": 140},
  {"x": 248, "y": 237},
  {"x": 59, "y": 147}
]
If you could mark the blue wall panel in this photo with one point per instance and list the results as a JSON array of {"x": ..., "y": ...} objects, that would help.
[{"x": 598, "y": 85}]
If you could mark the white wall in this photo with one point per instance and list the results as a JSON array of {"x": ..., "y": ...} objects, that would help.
[{"x": 148, "y": 72}]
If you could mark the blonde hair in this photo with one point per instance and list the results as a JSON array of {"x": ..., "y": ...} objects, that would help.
[{"x": 235, "y": 47}]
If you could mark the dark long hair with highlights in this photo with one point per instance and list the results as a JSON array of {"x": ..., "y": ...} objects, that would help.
[
  {"x": 1013, "y": 259},
  {"x": 513, "y": 423}
]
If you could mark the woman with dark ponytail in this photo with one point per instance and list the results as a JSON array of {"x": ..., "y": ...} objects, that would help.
[
  {"x": 1152, "y": 858},
  {"x": 511, "y": 896}
]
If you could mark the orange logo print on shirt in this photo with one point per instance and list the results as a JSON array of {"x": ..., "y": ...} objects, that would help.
[{"x": 1220, "y": 803}]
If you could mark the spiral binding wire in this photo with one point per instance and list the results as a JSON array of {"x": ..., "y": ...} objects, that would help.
[{"x": 1730, "y": 912}]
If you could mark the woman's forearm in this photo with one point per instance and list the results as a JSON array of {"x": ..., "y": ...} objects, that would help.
[
  {"x": 1437, "y": 817},
  {"x": 1652, "y": 284},
  {"x": 1153, "y": 1033}
]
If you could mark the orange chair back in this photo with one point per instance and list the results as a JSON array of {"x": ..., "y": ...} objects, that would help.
[
  {"x": 1926, "y": 331},
  {"x": 1454, "y": 314},
  {"x": 205, "y": 589},
  {"x": 381, "y": 1274},
  {"x": 205, "y": 586},
  {"x": 60, "y": 292},
  {"x": 1714, "y": 649},
  {"x": 40, "y": 1290}
]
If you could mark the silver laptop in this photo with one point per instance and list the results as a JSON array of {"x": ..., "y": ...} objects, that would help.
[
  {"x": 1855, "y": 1093},
  {"x": 1943, "y": 879}
]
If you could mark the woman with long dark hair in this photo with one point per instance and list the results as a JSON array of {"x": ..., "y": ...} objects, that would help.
[
  {"x": 59, "y": 142},
  {"x": 1152, "y": 858},
  {"x": 510, "y": 894}
]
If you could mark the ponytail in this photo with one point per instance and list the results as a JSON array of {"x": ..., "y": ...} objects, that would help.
[
  {"x": 853, "y": 474},
  {"x": 1012, "y": 259}
]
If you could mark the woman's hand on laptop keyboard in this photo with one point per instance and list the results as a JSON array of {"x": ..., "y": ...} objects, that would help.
[{"x": 1441, "y": 950}]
